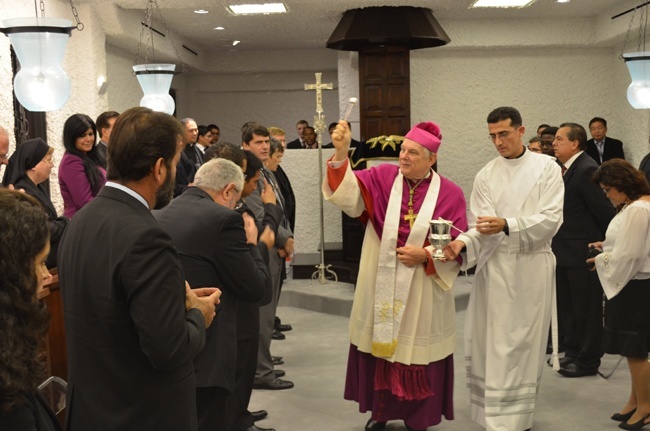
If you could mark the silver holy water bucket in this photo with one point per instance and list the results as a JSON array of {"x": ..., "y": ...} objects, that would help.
[{"x": 439, "y": 236}]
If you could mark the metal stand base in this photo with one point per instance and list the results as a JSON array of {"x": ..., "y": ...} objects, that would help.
[{"x": 324, "y": 273}]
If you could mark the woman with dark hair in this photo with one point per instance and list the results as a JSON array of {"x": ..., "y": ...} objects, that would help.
[
  {"x": 24, "y": 245},
  {"x": 29, "y": 169},
  {"x": 80, "y": 173},
  {"x": 624, "y": 272}
]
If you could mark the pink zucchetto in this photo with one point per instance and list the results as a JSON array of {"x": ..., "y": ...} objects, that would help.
[{"x": 426, "y": 134}]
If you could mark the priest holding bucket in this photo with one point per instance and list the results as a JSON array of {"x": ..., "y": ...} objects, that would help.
[{"x": 402, "y": 326}]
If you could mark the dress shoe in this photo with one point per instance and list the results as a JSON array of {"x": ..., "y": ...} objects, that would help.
[
  {"x": 279, "y": 373},
  {"x": 563, "y": 361},
  {"x": 573, "y": 370},
  {"x": 256, "y": 428},
  {"x": 636, "y": 425},
  {"x": 275, "y": 384},
  {"x": 283, "y": 327},
  {"x": 623, "y": 418},
  {"x": 277, "y": 335},
  {"x": 277, "y": 360},
  {"x": 259, "y": 415},
  {"x": 374, "y": 425}
]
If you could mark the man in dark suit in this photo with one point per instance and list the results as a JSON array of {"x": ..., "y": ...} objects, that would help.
[
  {"x": 299, "y": 143},
  {"x": 587, "y": 213},
  {"x": 220, "y": 248},
  {"x": 104, "y": 124},
  {"x": 132, "y": 323},
  {"x": 601, "y": 147}
]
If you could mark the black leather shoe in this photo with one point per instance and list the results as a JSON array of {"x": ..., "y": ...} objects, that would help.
[
  {"x": 274, "y": 385},
  {"x": 256, "y": 428},
  {"x": 283, "y": 327},
  {"x": 573, "y": 370},
  {"x": 375, "y": 426},
  {"x": 563, "y": 361},
  {"x": 279, "y": 373},
  {"x": 277, "y": 360},
  {"x": 277, "y": 335},
  {"x": 259, "y": 415},
  {"x": 636, "y": 425},
  {"x": 623, "y": 418}
]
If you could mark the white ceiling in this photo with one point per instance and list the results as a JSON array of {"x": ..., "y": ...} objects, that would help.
[{"x": 309, "y": 23}]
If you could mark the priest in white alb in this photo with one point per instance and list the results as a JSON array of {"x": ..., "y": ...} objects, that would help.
[
  {"x": 402, "y": 326},
  {"x": 516, "y": 203}
]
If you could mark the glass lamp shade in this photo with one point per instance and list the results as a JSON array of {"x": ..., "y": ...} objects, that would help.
[
  {"x": 41, "y": 84},
  {"x": 638, "y": 93},
  {"x": 155, "y": 80}
]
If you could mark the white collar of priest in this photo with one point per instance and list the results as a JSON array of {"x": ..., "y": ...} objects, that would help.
[{"x": 519, "y": 156}]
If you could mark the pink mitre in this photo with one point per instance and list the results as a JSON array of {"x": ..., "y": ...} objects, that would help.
[{"x": 426, "y": 134}]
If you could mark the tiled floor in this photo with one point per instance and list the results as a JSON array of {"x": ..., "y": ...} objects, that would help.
[{"x": 315, "y": 355}]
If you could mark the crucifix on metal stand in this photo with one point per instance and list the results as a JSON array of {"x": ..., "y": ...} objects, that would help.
[{"x": 323, "y": 271}]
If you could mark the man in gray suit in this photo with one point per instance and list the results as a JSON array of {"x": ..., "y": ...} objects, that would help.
[
  {"x": 256, "y": 139},
  {"x": 132, "y": 323}
]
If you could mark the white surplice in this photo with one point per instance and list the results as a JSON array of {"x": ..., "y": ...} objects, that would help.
[{"x": 509, "y": 309}]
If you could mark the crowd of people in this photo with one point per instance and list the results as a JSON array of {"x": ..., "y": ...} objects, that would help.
[{"x": 172, "y": 248}]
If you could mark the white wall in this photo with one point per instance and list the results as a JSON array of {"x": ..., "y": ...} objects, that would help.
[
  {"x": 458, "y": 88},
  {"x": 270, "y": 98}
]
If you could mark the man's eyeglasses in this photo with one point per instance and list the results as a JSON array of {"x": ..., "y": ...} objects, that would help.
[{"x": 501, "y": 135}]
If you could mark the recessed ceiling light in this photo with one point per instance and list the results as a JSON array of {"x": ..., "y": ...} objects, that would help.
[
  {"x": 562, "y": 1},
  {"x": 219, "y": 28},
  {"x": 201, "y": 11},
  {"x": 502, "y": 3},
  {"x": 235, "y": 42},
  {"x": 266, "y": 8}
]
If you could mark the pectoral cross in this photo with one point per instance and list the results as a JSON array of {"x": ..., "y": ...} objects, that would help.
[{"x": 410, "y": 217}]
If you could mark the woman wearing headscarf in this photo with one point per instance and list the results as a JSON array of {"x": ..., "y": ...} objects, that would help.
[
  {"x": 80, "y": 173},
  {"x": 29, "y": 169}
]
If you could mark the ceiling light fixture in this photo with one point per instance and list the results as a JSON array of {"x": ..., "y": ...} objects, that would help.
[
  {"x": 41, "y": 84},
  {"x": 219, "y": 28},
  {"x": 502, "y": 3},
  {"x": 201, "y": 11},
  {"x": 250, "y": 9},
  {"x": 638, "y": 62},
  {"x": 155, "y": 79},
  {"x": 235, "y": 42},
  {"x": 562, "y": 1}
]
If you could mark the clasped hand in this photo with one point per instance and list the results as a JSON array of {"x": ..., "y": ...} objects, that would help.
[{"x": 204, "y": 299}]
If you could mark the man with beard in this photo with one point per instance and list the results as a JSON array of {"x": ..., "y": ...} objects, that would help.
[{"x": 133, "y": 325}]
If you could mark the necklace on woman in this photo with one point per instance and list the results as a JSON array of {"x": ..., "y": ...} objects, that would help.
[{"x": 410, "y": 215}]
